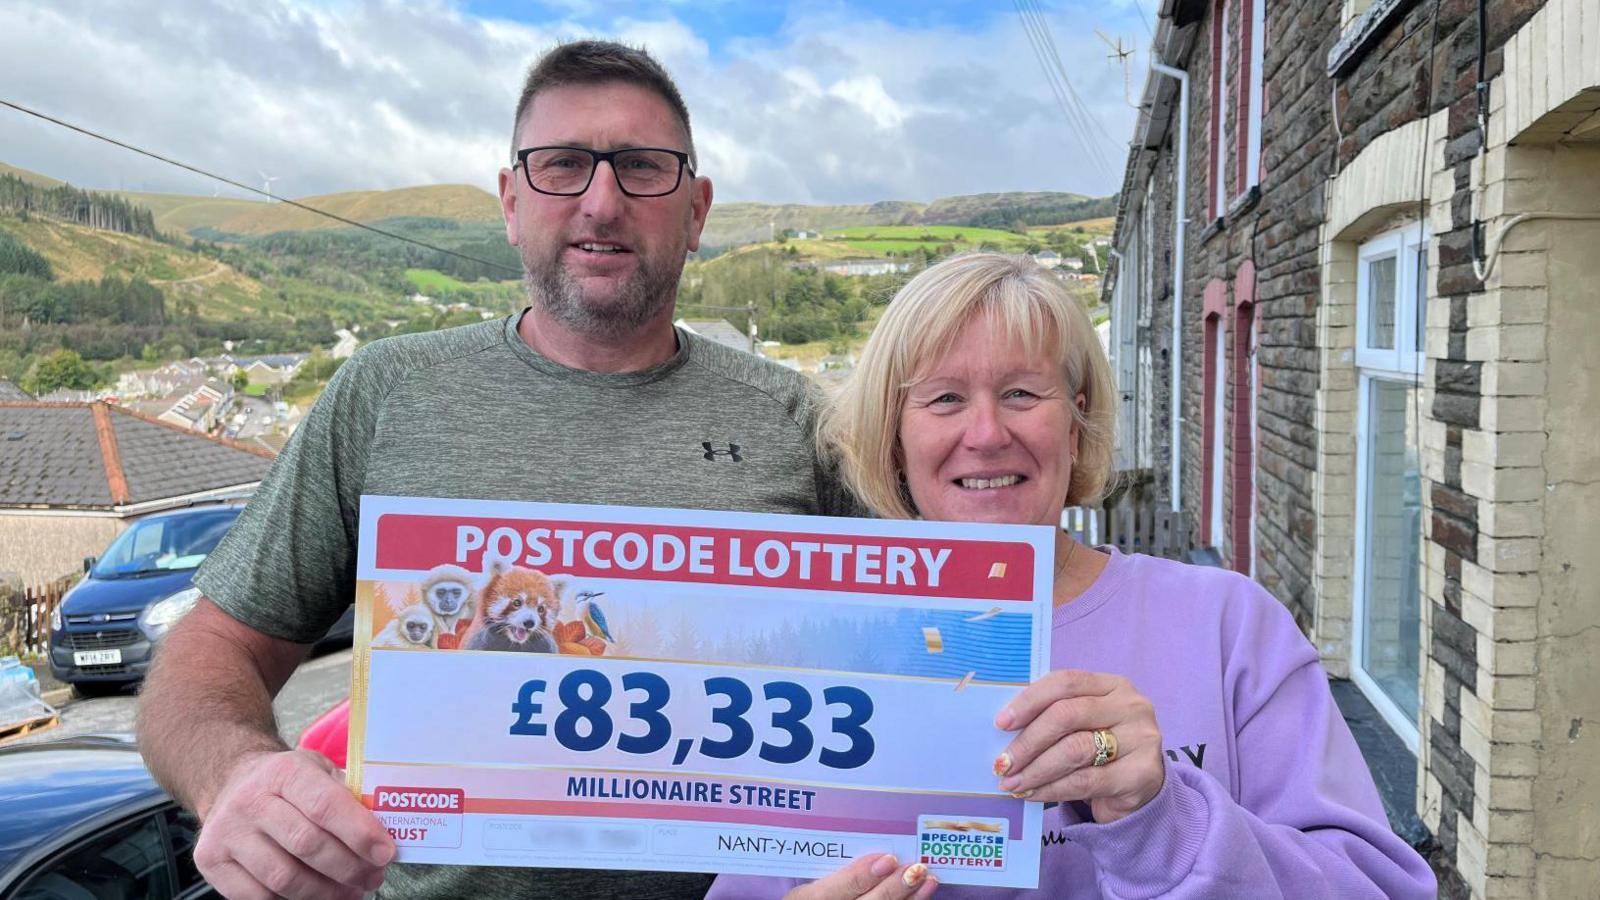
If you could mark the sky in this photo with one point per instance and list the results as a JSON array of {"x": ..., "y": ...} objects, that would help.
[{"x": 809, "y": 102}]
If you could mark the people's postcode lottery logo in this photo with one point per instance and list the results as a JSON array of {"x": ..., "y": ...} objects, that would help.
[{"x": 958, "y": 842}]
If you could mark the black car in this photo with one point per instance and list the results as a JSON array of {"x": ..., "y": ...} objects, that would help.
[
  {"x": 105, "y": 629},
  {"x": 84, "y": 819}
]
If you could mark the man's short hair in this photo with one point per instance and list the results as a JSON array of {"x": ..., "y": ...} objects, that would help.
[{"x": 600, "y": 62}]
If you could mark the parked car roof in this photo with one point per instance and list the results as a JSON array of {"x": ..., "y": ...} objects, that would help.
[{"x": 50, "y": 790}]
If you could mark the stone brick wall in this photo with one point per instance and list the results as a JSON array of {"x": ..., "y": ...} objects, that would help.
[
  {"x": 1485, "y": 429},
  {"x": 1346, "y": 158},
  {"x": 1278, "y": 232},
  {"x": 1374, "y": 193},
  {"x": 1160, "y": 208}
]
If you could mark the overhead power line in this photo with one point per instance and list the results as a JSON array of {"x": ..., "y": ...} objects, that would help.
[
  {"x": 1055, "y": 57},
  {"x": 1078, "y": 118},
  {"x": 1075, "y": 125},
  {"x": 1143, "y": 20},
  {"x": 245, "y": 187}
]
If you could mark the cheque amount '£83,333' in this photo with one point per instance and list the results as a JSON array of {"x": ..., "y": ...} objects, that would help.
[{"x": 583, "y": 724}]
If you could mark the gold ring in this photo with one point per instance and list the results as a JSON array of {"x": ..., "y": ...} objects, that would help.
[{"x": 1105, "y": 746}]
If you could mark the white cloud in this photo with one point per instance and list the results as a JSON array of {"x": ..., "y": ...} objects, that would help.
[
  {"x": 361, "y": 94},
  {"x": 866, "y": 93}
]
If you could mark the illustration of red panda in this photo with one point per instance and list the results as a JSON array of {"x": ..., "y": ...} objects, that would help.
[{"x": 517, "y": 610}]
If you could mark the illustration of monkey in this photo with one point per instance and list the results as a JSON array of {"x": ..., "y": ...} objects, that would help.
[
  {"x": 413, "y": 629},
  {"x": 517, "y": 610},
  {"x": 451, "y": 594}
]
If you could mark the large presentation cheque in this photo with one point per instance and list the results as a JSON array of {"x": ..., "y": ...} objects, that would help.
[{"x": 622, "y": 688}]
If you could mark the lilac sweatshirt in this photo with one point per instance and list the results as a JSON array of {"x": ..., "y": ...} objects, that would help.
[{"x": 1266, "y": 793}]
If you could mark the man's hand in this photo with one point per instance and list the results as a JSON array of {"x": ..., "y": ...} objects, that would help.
[{"x": 284, "y": 825}]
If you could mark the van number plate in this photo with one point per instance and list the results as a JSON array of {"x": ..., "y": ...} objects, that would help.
[{"x": 97, "y": 657}]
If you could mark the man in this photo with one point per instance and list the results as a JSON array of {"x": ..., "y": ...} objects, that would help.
[{"x": 589, "y": 396}]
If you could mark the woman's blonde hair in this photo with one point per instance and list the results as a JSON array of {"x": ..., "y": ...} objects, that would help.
[{"x": 859, "y": 429}]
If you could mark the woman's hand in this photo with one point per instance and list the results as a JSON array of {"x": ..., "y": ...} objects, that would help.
[
  {"x": 876, "y": 876},
  {"x": 1052, "y": 756}
]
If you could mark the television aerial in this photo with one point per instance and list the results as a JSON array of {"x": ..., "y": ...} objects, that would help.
[{"x": 1120, "y": 54}]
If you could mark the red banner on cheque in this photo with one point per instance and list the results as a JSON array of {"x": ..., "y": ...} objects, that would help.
[{"x": 872, "y": 564}]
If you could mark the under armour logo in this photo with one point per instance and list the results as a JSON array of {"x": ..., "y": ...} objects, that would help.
[{"x": 713, "y": 451}]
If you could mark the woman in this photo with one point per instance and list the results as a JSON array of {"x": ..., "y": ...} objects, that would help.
[{"x": 1186, "y": 729}]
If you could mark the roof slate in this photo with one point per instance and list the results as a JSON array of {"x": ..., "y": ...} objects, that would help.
[{"x": 50, "y": 455}]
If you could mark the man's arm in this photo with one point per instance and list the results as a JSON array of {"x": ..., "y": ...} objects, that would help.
[{"x": 275, "y": 821}]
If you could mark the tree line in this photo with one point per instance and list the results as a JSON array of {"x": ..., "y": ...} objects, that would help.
[
  {"x": 333, "y": 256},
  {"x": 96, "y": 210},
  {"x": 1011, "y": 217},
  {"x": 795, "y": 302}
]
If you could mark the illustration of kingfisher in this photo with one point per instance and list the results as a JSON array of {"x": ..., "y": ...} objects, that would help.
[{"x": 594, "y": 621}]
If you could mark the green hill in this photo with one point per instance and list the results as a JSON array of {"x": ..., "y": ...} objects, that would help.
[
  {"x": 455, "y": 202},
  {"x": 877, "y": 241},
  {"x": 182, "y": 213},
  {"x": 743, "y": 223},
  {"x": 33, "y": 178},
  {"x": 729, "y": 224},
  {"x": 79, "y": 253}
]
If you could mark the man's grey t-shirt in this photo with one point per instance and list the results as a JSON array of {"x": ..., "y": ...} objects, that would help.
[{"x": 473, "y": 412}]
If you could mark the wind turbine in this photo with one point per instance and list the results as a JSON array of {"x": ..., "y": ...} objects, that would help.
[{"x": 266, "y": 182}]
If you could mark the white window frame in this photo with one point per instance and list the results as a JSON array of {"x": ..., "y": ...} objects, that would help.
[
  {"x": 1402, "y": 363},
  {"x": 1402, "y": 726},
  {"x": 1225, "y": 145},
  {"x": 1258, "y": 45},
  {"x": 1350, "y": 11},
  {"x": 1405, "y": 358}
]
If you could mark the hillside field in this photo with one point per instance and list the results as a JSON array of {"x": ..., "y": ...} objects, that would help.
[
  {"x": 79, "y": 253},
  {"x": 877, "y": 241},
  {"x": 1096, "y": 227},
  {"x": 181, "y": 213}
]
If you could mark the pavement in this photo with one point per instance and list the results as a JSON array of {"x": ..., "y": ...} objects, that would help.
[
  {"x": 1393, "y": 765},
  {"x": 318, "y": 684}
]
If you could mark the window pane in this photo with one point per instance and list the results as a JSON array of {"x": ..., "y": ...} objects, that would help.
[
  {"x": 184, "y": 830},
  {"x": 1393, "y": 521},
  {"x": 127, "y": 863},
  {"x": 1380, "y": 303}
]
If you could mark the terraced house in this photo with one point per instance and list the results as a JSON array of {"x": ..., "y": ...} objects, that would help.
[{"x": 1356, "y": 328}]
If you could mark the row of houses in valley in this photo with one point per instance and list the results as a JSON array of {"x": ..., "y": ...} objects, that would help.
[
  {"x": 1355, "y": 324},
  {"x": 168, "y": 379},
  {"x": 195, "y": 393}
]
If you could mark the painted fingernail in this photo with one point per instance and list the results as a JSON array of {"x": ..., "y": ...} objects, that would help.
[
  {"x": 884, "y": 865},
  {"x": 1004, "y": 719},
  {"x": 1022, "y": 795},
  {"x": 1002, "y": 764},
  {"x": 914, "y": 875}
]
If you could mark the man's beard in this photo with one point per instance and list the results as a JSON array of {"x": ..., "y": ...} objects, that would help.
[{"x": 638, "y": 299}]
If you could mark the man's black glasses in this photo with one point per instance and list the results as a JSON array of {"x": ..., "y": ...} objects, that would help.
[{"x": 568, "y": 171}]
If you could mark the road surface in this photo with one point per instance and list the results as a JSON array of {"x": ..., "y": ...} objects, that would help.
[{"x": 318, "y": 684}]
